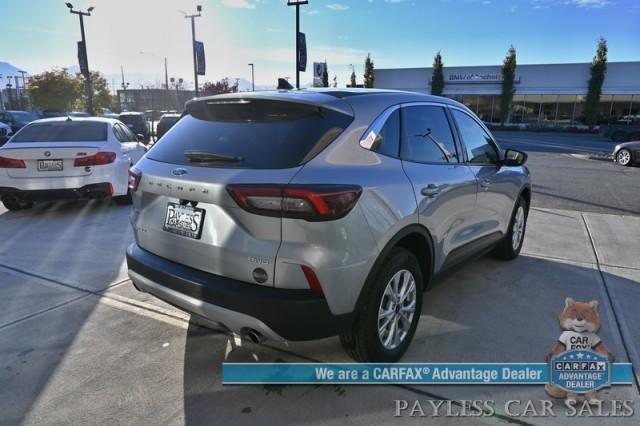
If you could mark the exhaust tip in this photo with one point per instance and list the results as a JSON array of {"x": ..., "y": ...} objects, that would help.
[{"x": 253, "y": 335}]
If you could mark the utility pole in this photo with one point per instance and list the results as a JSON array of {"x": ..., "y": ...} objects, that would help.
[
  {"x": 124, "y": 88},
  {"x": 87, "y": 74},
  {"x": 24, "y": 86},
  {"x": 297, "y": 4},
  {"x": 253, "y": 83},
  {"x": 18, "y": 96},
  {"x": 193, "y": 44}
]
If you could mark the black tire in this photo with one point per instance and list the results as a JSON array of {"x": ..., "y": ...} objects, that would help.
[
  {"x": 123, "y": 200},
  {"x": 623, "y": 157},
  {"x": 361, "y": 340},
  {"x": 505, "y": 249},
  {"x": 15, "y": 204}
]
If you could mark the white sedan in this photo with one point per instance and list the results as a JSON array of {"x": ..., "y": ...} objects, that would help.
[{"x": 64, "y": 157}]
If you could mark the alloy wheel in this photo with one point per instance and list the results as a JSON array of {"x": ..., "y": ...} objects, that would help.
[
  {"x": 518, "y": 228},
  {"x": 397, "y": 309}
]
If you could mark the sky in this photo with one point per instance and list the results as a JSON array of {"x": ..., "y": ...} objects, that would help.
[{"x": 37, "y": 35}]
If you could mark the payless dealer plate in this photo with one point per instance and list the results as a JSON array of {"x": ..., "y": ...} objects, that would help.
[{"x": 184, "y": 220}]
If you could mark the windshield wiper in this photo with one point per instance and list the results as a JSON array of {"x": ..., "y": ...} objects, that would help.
[{"x": 210, "y": 157}]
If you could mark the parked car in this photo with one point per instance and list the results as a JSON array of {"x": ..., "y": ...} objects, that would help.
[
  {"x": 627, "y": 154},
  {"x": 77, "y": 114},
  {"x": 61, "y": 158},
  {"x": 626, "y": 129},
  {"x": 17, "y": 119},
  {"x": 166, "y": 122},
  {"x": 137, "y": 123},
  {"x": 279, "y": 216},
  {"x": 5, "y": 133}
]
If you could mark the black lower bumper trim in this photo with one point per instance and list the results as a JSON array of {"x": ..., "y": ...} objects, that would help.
[
  {"x": 292, "y": 314},
  {"x": 96, "y": 190}
]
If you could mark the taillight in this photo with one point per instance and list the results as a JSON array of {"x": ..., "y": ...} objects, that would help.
[
  {"x": 308, "y": 202},
  {"x": 134, "y": 178},
  {"x": 11, "y": 163},
  {"x": 99, "y": 159}
]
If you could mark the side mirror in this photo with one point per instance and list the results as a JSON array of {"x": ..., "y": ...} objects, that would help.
[
  {"x": 514, "y": 158},
  {"x": 140, "y": 137}
]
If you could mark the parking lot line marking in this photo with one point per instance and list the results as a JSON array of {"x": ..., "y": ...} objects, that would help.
[
  {"x": 145, "y": 312},
  {"x": 625, "y": 334},
  {"x": 43, "y": 311}
]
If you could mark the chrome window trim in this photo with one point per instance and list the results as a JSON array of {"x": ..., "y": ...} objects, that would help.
[{"x": 373, "y": 131}]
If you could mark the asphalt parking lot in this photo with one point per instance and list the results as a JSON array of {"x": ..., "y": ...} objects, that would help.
[{"x": 80, "y": 345}]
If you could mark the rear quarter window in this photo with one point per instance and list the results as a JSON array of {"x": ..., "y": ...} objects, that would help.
[{"x": 262, "y": 134}]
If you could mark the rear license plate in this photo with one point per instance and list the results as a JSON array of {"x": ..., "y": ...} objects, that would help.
[
  {"x": 184, "y": 220},
  {"x": 49, "y": 165}
]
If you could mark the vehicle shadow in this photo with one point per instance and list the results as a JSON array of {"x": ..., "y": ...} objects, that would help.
[{"x": 487, "y": 311}]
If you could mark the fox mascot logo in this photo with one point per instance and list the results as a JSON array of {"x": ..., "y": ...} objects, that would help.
[{"x": 581, "y": 323}]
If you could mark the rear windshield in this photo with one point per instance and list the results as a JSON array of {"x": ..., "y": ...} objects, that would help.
[
  {"x": 254, "y": 133},
  {"x": 62, "y": 131},
  {"x": 132, "y": 119}
]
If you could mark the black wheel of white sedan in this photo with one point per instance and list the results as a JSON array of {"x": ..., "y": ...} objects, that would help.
[
  {"x": 388, "y": 316},
  {"x": 510, "y": 246},
  {"x": 623, "y": 157}
]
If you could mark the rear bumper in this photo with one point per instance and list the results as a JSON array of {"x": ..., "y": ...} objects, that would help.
[
  {"x": 279, "y": 314},
  {"x": 96, "y": 190}
]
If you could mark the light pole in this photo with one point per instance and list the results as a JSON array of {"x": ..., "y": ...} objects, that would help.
[
  {"x": 297, "y": 4},
  {"x": 193, "y": 42},
  {"x": 166, "y": 73},
  {"x": 9, "y": 93},
  {"x": 253, "y": 83},
  {"x": 87, "y": 74}
]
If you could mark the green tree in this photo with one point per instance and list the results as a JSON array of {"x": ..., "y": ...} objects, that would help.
[
  {"x": 437, "y": 78},
  {"x": 353, "y": 79},
  {"x": 369, "y": 78},
  {"x": 508, "y": 85},
  {"x": 55, "y": 90},
  {"x": 219, "y": 87},
  {"x": 598, "y": 71},
  {"x": 325, "y": 75},
  {"x": 101, "y": 93}
]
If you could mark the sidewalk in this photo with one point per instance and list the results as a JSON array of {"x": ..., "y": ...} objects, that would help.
[{"x": 80, "y": 345}]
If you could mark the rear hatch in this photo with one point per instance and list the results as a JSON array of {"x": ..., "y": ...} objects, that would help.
[
  {"x": 222, "y": 141},
  {"x": 51, "y": 148}
]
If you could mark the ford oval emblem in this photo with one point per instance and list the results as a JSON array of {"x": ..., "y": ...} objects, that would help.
[
  {"x": 47, "y": 154},
  {"x": 179, "y": 172}
]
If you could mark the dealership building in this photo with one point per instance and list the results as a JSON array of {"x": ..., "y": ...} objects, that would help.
[{"x": 546, "y": 94}]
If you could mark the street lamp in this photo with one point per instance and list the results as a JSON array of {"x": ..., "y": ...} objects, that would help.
[
  {"x": 166, "y": 74},
  {"x": 253, "y": 84},
  {"x": 297, "y": 4},
  {"x": 85, "y": 71},
  {"x": 193, "y": 42}
]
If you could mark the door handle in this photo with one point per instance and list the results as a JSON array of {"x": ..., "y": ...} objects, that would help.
[
  {"x": 485, "y": 184},
  {"x": 430, "y": 190}
]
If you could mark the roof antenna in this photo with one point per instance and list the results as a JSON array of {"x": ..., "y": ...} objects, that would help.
[{"x": 283, "y": 84}]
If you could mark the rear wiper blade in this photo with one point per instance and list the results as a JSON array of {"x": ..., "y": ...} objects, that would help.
[{"x": 210, "y": 157}]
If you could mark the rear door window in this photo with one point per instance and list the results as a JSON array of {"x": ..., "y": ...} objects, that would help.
[
  {"x": 255, "y": 133},
  {"x": 427, "y": 136},
  {"x": 62, "y": 131}
]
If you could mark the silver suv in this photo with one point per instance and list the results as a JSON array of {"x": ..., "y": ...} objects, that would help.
[{"x": 298, "y": 215}]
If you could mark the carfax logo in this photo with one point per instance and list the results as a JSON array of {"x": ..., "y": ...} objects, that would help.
[
  {"x": 580, "y": 371},
  {"x": 579, "y": 360}
]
